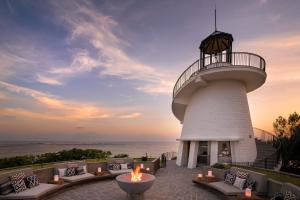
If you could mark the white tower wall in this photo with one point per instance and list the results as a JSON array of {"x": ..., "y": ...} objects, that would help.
[{"x": 220, "y": 112}]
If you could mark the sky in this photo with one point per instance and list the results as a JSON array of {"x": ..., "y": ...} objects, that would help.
[{"x": 105, "y": 70}]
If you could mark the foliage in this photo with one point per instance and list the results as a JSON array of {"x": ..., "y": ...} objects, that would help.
[
  {"x": 287, "y": 142},
  {"x": 64, "y": 155},
  {"x": 122, "y": 155}
]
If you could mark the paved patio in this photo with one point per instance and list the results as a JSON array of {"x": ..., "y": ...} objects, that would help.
[{"x": 173, "y": 182}]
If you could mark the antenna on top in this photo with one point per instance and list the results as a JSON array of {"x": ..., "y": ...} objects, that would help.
[{"x": 215, "y": 17}]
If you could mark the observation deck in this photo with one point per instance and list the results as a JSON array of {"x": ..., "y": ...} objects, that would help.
[{"x": 246, "y": 67}]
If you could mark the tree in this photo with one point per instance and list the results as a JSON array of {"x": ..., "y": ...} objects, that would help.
[{"x": 287, "y": 140}]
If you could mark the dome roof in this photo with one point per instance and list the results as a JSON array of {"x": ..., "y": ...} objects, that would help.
[{"x": 216, "y": 42}]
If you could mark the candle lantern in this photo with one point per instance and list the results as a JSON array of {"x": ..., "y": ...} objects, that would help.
[
  {"x": 56, "y": 178},
  {"x": 200, "y": 175},
  {"x": 209, "y": 173},
  {"x": 99, "y": 169},
  {"x": 248, "y": 192},
  {"x": 148, "y": 169}
]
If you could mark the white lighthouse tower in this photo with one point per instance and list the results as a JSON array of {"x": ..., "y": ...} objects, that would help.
[{"x": 210, "y": 100}]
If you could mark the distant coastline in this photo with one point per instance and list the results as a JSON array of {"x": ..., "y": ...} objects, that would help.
[{"x": 134, "y": 149}]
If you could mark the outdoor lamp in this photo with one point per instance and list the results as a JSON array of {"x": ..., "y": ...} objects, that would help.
[
  {"x": 248, "y": 192},
  {"x": 56, "y": 178}
]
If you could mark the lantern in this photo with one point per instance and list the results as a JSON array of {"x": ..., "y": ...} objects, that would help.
[{"x": 248, "y": 192}]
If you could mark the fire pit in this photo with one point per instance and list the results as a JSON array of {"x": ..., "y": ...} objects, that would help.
[{"x": 135, "y": 183}]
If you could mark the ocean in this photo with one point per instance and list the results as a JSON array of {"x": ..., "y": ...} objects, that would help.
[{"x": 133, "y": 149}]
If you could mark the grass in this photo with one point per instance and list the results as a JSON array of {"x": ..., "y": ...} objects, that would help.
[{"x": 275, "y": 175}]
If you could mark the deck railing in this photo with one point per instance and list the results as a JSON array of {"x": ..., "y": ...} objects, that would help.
[{"x": 220, "y": 60}]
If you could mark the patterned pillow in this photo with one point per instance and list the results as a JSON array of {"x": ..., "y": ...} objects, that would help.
[
  {"x": 18, "y": 183},
  {"x": 278, "y": 196},
  {"x": 116, "y": 166},
  {"x": 242, "y": 175},
  {"x": 233, "y": 170},
  {"x": 6, "y": 188},
  {"x": 230, "y": 178},
  {"x": 129, "y": 166},
  {"x": 110, "y": 166},
  {"x": 250, "y": 184},
  {"x": 80, "y": 170},
  {"x": 31, "y": 181},
  {"x": 71, "y": 171},
  {"x": 239, "y": 183},
  {"x": 289, "y": 196},
  {"x": 17, "y": 176},
  {"x": 225, "y": 173}
]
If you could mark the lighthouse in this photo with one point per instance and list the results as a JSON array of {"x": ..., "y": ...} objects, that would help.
[{"x": 210, "y": 101}]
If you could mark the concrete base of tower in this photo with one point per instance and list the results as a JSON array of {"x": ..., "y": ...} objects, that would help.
[{"x": 193, "y": 153}]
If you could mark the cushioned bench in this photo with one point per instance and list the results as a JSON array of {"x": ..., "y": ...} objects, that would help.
[
  {"x": 119, "y": 161},
  {"x": 30, "y": 193},
  {"x": 76, "y": 178},
  {"x": 230, "y": 190}
]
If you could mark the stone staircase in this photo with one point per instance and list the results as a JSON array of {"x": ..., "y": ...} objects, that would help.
[{"x": 266, "y": 155}]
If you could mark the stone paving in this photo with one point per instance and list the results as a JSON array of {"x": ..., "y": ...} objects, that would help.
[{"x": 172, "y": 183}]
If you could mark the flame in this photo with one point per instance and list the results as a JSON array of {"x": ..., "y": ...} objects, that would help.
[{"x": 136, "y": 175}]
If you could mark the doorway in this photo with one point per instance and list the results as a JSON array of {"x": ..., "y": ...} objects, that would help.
[{"x": 203, "y": 153}]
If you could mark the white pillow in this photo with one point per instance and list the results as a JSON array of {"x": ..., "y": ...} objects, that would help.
[
  {"x": 84, "y": 169},
  {"x": 239, "y": 183},
  {"x": 124, "y": 166},
  {"x": 61, "y": 172}
]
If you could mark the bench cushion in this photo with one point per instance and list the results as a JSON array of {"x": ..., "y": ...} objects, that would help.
[
  {"x": 225, "y": 188},
  {"x": 75, "y": 178},
  {"x": 31, "y": 193},
  {"x": 122, "y": 171}
]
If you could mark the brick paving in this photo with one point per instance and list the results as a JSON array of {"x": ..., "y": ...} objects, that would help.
[{"x": 172, "y": 183}]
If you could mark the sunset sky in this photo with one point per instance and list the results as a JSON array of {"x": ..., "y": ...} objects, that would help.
[{"x": 105, "y": 70}]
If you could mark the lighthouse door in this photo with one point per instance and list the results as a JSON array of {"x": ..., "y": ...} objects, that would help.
[{"x": 202, "y": 158}]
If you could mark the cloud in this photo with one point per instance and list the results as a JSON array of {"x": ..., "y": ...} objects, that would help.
[
  {"x": 280, "y": 53},
  {"x": 129, "y": 116},
  {"x": 56, "y": 108},
  {"x": 2, "y": 96},
  {"x": 106, "y": 54},
  {"x": 47, "y": 80}
]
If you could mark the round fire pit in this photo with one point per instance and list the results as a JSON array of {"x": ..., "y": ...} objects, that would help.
[{"x": 135, "y": 189}]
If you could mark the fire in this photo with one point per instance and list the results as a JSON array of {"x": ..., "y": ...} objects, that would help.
[{"x": 136, "y": 175}]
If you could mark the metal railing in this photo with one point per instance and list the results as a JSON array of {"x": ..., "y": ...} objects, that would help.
[
  {"x": 220, "y": 60},
  {"x": 263, "y": 135}
]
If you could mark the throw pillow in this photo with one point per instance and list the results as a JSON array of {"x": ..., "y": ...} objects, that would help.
[
  {"x": 71, "y": 171},
  {"x": 80, "y": 170},
  {"x": 31, "y": 181},
  {"x": 124, "y": 166},
  {"x": 239, "y": 182},
  {"x": 225, "y": 173},
  {"x": 84, "y": 169},
  {"x": 250, "y": 184},
  {"x": 230, "y": 178},
  {"x": 18, "y": 183},
  {"x": 129, "y": 166},
  {"x": 17, "y": 176},
  {"x": 242, "y": 175},
  {"x": 61, "y": 172},
  {"x": 116, "y": 166},
  {"x": 233, "y": 170},
  {"x": 110, "y": 166},
  {"x": 289, "y": 196},
  {"x": 278, "y": 196},
  {"x": 6, "y": 188}
]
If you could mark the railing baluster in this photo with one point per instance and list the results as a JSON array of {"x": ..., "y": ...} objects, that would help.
[{"x": 237, "y": 59}]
